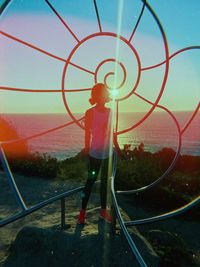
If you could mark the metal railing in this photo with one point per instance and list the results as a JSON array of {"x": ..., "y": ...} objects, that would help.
[{"x": 24, "y": 210}]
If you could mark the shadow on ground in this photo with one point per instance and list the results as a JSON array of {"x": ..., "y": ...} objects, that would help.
[{"x": 53, "y": 247}]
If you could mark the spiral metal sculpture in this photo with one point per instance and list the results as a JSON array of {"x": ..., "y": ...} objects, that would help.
[{"x": 100, "y": 75}]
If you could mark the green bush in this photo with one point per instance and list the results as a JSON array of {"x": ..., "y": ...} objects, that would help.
[
  {"x": 135, "y": 169},
  {"x": 36, "y": 165},
  {"x": 72, "y": 168}
]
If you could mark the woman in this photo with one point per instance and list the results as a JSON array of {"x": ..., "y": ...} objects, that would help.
[{"x": 98, "y": 147}]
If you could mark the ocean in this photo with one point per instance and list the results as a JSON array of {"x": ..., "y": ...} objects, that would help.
[{"x": 156, "y": 132}]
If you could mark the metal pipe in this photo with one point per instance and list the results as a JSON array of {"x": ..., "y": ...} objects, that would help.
[
  {"x": 11, "y": 180},
  {"x": 165, "y": 215},
  {"x": 130, "y": 241},
  {"x": 39, "y": 206},
  {"x": 4, "y": 5},
  {"x": 62, "y": 202}
]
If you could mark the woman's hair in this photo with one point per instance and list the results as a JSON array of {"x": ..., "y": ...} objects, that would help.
[{"x": 99, "y": 93}]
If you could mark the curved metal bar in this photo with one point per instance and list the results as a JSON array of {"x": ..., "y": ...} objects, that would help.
[
  {"x": 62, "y": 20},
  {"x": 43, "y": 51},
  {"x": 41, "y": 133},
  {"x": 31, "y": 46},
  {"x": 165, "y": 72},
  {"x": 4, "y": 5},
  {"x": 7, "y": 88},
  {"x": 97, "y": 14},
  {"x": 123, "y": 224},
  {"x": 167, "y": 215},
  {"x": 11, "y": 180},
  {"x": 172, "y": 164},
  {"x": 138, "y": 21},
  {"x": 170, "y": 57},
  {"x": 111, "y": 73},
  {"x": 191, "y": 119},
  {"x": 64, "y": 74},
  {"x": 39, "y": 206},
  {"x": 130, "y": 241}
]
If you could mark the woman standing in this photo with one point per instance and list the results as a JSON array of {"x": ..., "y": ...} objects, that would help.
[{"x": 98, "y": 147}]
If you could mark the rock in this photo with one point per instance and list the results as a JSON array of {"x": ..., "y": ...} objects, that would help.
[
  {"x": 173, "y": 249},
  {"x": 165, "y": 238},
  {"x": 36, "y": 247},
  {"x": 145, "y": 248}
]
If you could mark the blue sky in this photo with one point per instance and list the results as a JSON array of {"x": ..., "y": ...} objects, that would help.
[{"x": 34, "y": 22}]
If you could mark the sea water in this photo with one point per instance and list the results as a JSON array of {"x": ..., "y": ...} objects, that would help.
[{"x": 157, "y": 131}]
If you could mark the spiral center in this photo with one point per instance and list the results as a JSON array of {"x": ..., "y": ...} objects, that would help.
[
  {"x": 115, "y": 79},
  {"x": 97, "y": 53}
]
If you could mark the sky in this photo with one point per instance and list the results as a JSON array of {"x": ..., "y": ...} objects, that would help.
[{"x": 34, "y": 22}]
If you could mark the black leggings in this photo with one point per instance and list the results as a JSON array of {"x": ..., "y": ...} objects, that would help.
[{"x": 94, "y": 166}]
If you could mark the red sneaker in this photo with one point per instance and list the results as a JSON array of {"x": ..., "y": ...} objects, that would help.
[
  {"x": 105, "y": 215},
  {"x": 82, "y": 217}
]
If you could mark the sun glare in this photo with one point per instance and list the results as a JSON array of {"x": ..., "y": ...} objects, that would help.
[{"x": 114, "y": 92}]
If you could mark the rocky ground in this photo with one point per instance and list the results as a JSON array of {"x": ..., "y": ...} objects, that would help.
[{"x": 38, "y": 240}]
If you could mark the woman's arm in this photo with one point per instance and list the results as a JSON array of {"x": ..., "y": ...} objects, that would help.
[{"x": 88, "y": 123}]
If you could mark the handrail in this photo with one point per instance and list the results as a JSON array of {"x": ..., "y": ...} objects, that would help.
[
  {"x": 39, "y": 206},
  {"x": 24, "y": 210}
]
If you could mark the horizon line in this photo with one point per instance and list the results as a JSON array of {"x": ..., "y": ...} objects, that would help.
[{"x": 63, "y": 113}]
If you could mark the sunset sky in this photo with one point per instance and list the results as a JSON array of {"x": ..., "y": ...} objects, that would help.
[{"x": 35, "y": 23}]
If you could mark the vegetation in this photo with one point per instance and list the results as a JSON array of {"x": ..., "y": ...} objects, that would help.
[
  {"x": 180, "y": 186},
  {"x": 35, "y": 165},
  {"x": 136, "y": 168}
]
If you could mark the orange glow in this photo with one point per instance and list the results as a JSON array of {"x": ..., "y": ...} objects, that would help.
[{"x": 8, "y": 132}]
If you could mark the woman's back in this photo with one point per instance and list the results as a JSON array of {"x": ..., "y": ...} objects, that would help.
[{"x": 100, "y": 132}]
